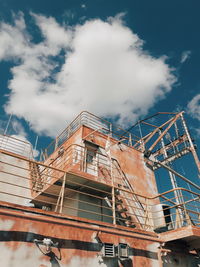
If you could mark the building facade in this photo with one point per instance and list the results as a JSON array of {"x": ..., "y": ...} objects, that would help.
[{"x": 92, "y": 199}]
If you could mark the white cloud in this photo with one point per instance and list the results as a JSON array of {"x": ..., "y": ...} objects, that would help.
[
  {"x": 105, "y": 71},
  {"x": 194, "y": 110},
  {"x": 83, "y": 6},
  {"x": 18, "y": 128},
  {"x": 194, "y": 107},
  {"x": 13, "y": 39},
  {"x": 185, "y": 56},
  {"x": 55, "y": 35},
  {"x": 12, "y": 126}
]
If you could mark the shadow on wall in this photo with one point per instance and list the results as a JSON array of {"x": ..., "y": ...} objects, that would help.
[
  {"x": 53, "y": 259},
  {"x": 54, "y": 255},
  {"x": 47, "y": 251},
  {"x": 126, "y": 263},
  {"x": 114, "y": 262}
]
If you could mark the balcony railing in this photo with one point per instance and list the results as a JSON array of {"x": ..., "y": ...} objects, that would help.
[
  {"x": 159, "y": 213},
  {"x": 16, "y": 145},
  {"x": 77, "y": 158},
  {"x": 87, "y": 119},
  {"x": 177, "y": 213}
]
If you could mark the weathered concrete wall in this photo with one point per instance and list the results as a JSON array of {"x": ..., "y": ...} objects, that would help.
[
  {"x": 76, "y": 138},
  {"x": 88, "y": 207},
  {"x": 80, "y": 242},
  {"x": 15, "y": 172},
  {"x": 95, "y": 209},
  {"x": 128, "y": 165},
  {"x": 131, "y": 162},
  {"x": 180, "y": 260},
  {"x": 71, "y": 205}
]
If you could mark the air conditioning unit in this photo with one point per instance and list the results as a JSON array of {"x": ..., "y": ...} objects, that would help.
[
  {"x": 123, "y": 251},
  {"x": 108, "y": 250}
]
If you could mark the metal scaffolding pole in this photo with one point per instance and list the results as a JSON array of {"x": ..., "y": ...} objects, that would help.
[
  {"x": 113, "y": 193},
  {"x": 177, "y": 193},
  {"x": 192, "y": 148}
]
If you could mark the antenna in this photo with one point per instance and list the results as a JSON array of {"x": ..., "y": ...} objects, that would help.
[
  {"x": 5, "y": 132},
  {"x": 36, "y": 141}
]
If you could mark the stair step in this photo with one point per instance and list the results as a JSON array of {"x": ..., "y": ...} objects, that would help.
[
  {"x": 132, "y": 225},
  {"x": 128, "y": 218},
  {"x": 117, "y": 192},
  {"x": 123, "y": 210},
  {"x": 126, "y": 186},
  {"x": 119, "y": 201}
]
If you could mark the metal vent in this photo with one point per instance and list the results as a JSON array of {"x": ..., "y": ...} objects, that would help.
[
  {"x": 108, "y": 250},
  {"x": 123, "y": 251}
]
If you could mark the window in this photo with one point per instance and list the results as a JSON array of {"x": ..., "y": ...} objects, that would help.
[{"x": 90, "y": 156}]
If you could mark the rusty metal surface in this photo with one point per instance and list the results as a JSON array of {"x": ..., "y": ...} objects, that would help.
[
  {"x": 79, "y": 245},
  {"x": 95, "y": 188},
  {"x": 138, "y": 210}
]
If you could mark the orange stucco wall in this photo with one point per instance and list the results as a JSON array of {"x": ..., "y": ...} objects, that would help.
[
  {"x": 80, "y": 242},
  {"x": 131, "y": 162}
]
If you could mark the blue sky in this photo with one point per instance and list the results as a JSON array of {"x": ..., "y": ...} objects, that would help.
[{"x": 56, "y": 56}]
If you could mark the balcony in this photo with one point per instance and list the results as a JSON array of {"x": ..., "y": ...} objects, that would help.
[
  {"x": 93, "y": 187},
  {"x": 82, "y": 162},
  {"x": 97, "y": 124}
]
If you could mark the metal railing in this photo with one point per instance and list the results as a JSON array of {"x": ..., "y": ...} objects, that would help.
[
  {"x": 88, "y": 119},
  {"x": 77, "y": 158},
  {"x": 179, "y": 214},
  {"x": 16, "y": 145},
  {"x": 23, "y": 183}
]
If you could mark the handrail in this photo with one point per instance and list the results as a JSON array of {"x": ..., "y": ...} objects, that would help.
[
  {"x": 88, "y": 119},
  {"x": 122, "y": 189},
  {"x": 16, "y": 145},
  {"x": 181, "y": 214}
]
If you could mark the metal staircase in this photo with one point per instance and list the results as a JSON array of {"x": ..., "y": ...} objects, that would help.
[
  {"x": 130, "y": 210},
  {"x": 36, "y": 180}
]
